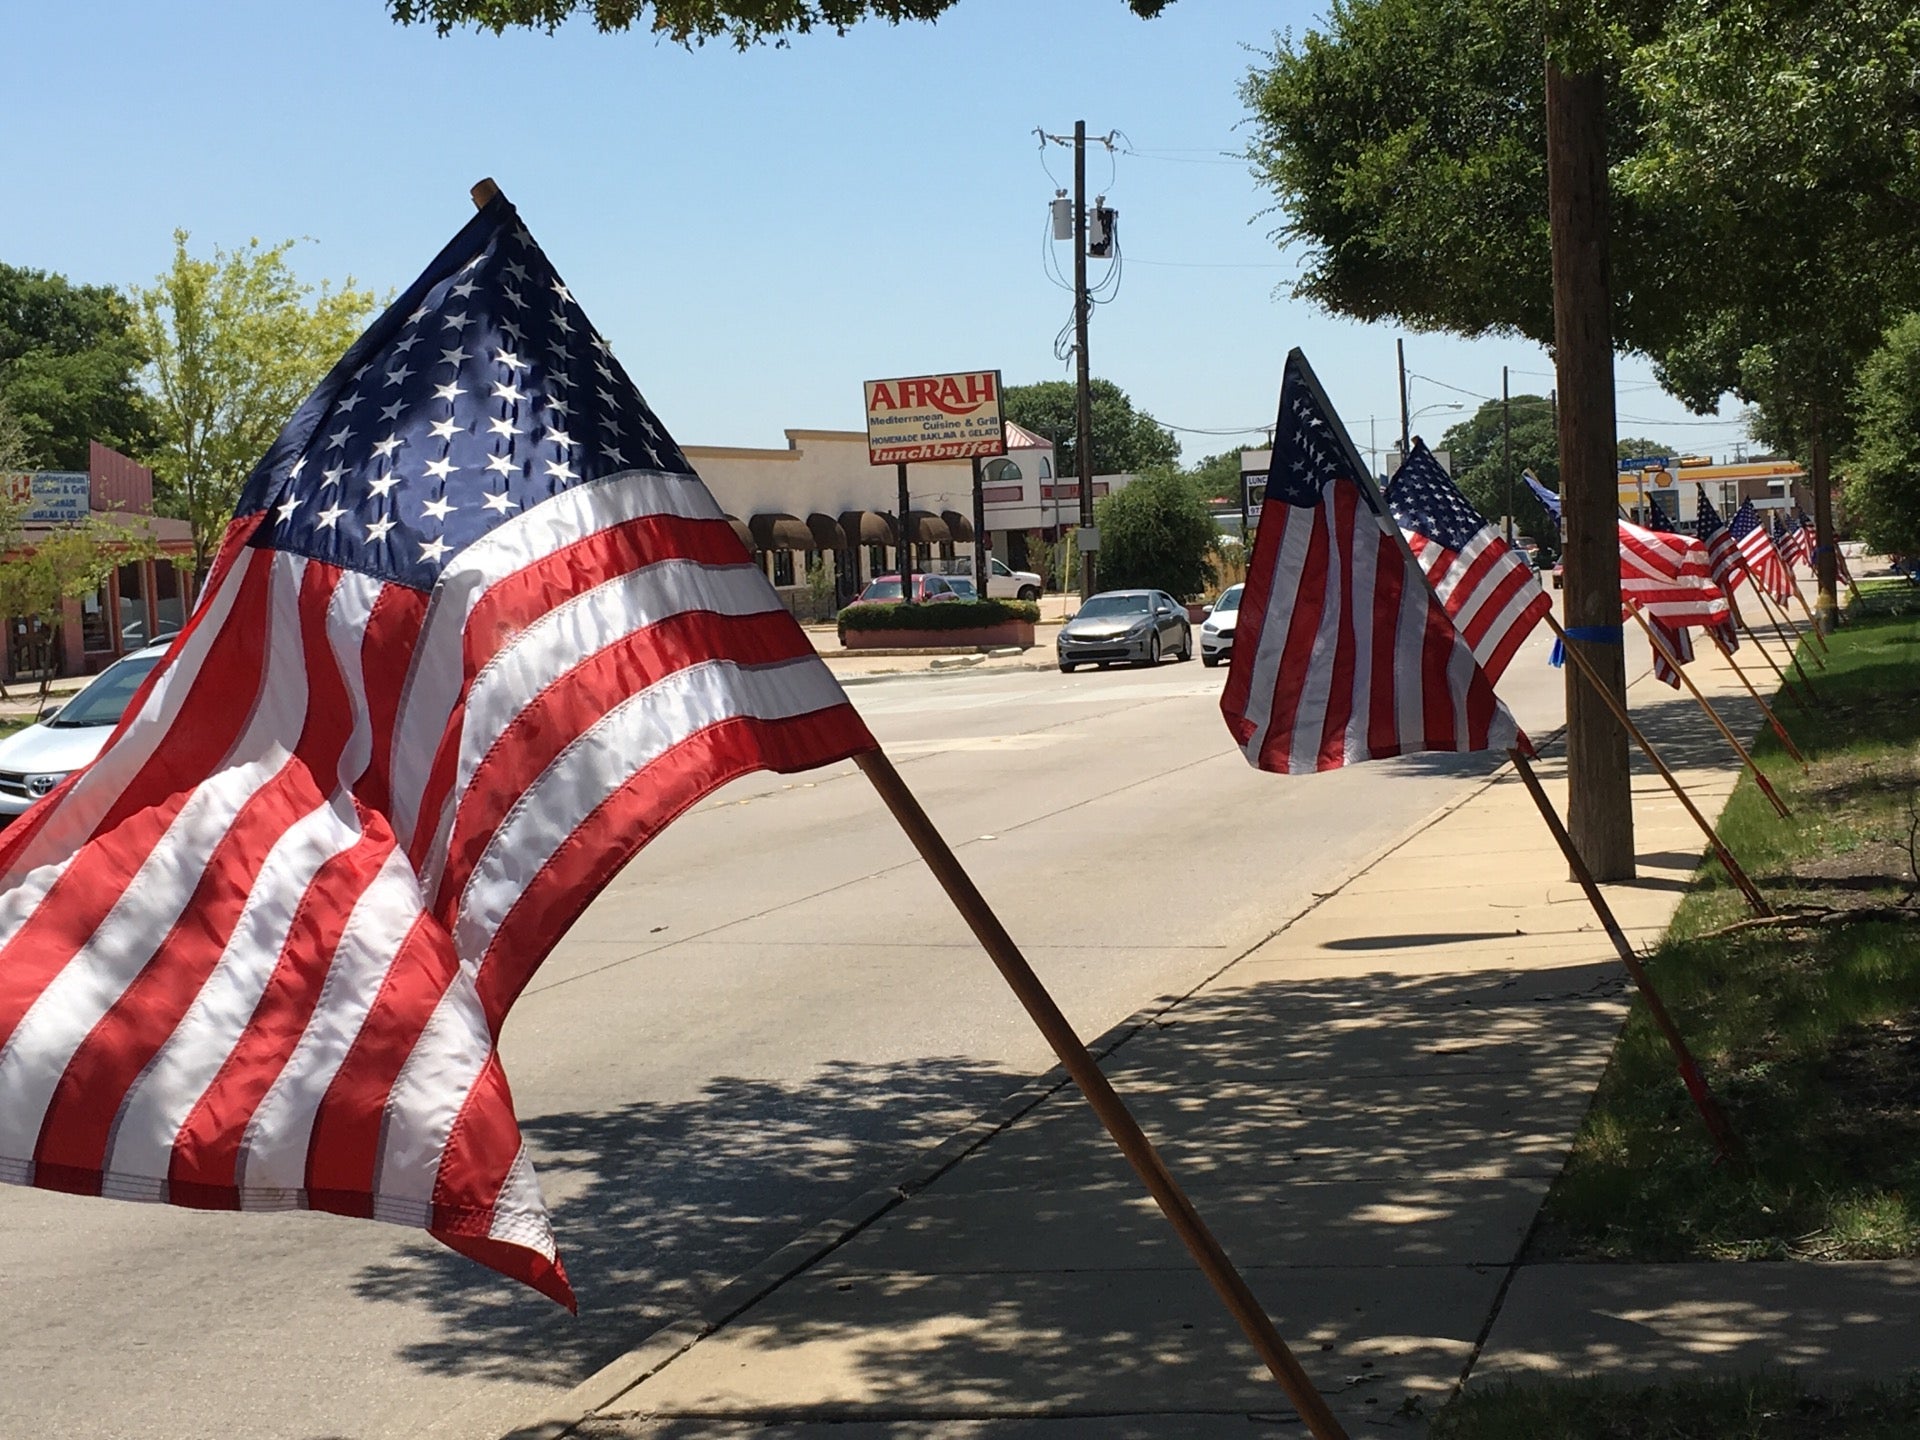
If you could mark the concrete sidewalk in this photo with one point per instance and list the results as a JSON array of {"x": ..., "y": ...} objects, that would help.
[{"x": 1368, "y": 1109}]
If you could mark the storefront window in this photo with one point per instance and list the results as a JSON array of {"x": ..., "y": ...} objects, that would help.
[
  {"x": 95, "y": 634},
  {"x": 134, "y": 630},
  {"x": 783, "y": 567},
  {"x": 169, "y": 599},
  {"x": 876, "y": 560}
]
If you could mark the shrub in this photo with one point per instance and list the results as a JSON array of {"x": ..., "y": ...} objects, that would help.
[
  {"x": 945, "y": 615},
  {"x": 1156, "y": 534}
]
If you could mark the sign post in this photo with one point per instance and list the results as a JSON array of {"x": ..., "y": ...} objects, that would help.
[{"x": 935, "y": 417}]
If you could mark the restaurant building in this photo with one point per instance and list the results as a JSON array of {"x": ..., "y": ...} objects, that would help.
[{"x": 140, "y": 602}]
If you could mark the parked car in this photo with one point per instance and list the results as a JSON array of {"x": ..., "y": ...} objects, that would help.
[
  {"x": 1216, "y": 631},
  {"x": 962, "y": 586},
  {"x": 1137, "y": 626},
  {"x": 67, "y": 737},
  {"x": 1008, "y": 584},
  {"x": 885, "y": 590}
]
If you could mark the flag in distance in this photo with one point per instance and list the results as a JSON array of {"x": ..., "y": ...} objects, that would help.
[
  {"x": 1487, "y": 586},
  {"x": 1541, "y": 493},
  {"x": 1800, "y": 541},
  {"x": 1723, "y": 555},
  {"x": 475, "y": 634},
  {"x": 1669, "y": 574},
  {"x": 1769, "y": 571},
  {"x": 1343, "y": 653}
]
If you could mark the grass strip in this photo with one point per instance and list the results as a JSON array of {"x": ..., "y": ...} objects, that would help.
[
  {"x": 1810, "y": 1036},
  {"x": 1771, "y": 1407}
]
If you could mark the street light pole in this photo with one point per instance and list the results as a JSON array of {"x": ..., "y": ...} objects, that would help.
[{"x": 1506, "y": 446}]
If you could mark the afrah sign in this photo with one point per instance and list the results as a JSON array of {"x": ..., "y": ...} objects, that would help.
[
  {"x": 53, "y": 497},
  {"x": 935, "y": 417}
]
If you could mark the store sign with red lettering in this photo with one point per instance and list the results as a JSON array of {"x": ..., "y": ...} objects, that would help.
[{"x": 935, "y": 417}]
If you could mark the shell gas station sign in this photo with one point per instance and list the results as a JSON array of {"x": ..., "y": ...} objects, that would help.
[{"x": 935, "y": 417}]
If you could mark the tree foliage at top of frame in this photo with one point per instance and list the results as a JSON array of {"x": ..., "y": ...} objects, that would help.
[{"x": 686, "y": 22}]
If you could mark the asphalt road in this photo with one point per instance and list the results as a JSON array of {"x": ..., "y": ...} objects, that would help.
[{"x": 756, "y": 1022}]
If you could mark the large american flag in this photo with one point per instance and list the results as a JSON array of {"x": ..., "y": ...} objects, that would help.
[
  {"x": 476, "y": 633},
  {"x": 1488, "y": 587},
  {"x": 1769, "y": 571},
  {"x": 1343, "y": 653}
]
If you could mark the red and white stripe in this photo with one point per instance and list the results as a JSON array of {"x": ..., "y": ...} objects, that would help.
[
  {"x": 1667, "y": 575},
  {"x": 259, "y": 954},
  {"x": 1764, "y": 563},
  {"x": 1489, "y": 590},
  {"x": 1343, "y": 654}
]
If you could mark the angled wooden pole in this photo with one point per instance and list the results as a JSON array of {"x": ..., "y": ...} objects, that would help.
[
  {"x": 1113, "y": 1113},
  {"x": 1781, "y": 621},
  {"x": 1765, "y": 709},
  {"x": 1724, "y": 1140},
  {"x": 1746, "y": 759},
  {"x": 1755, "y": 900},
  {"x": 1813, "y": 626},
  {"x": 1787, "y": 687}
]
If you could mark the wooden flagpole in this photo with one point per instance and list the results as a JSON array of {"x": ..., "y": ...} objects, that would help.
[
  {"x": 1780, "y": 620},
  {"x": 1765, "y": 709},
  {"x": 1724, "y": 1140},
  {"x": 1113, "y": 1113},
  {"x": 1755, "y": 900},
  {"x": 1747, "y": 759},
  {"x": 1787, "y": 686},
  {"x": 1813, "y": 626}
]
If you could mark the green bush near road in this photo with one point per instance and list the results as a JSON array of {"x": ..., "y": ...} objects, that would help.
[
  {"x": 1811, "y": 1034},
  {"x": 943, "y": 615}
]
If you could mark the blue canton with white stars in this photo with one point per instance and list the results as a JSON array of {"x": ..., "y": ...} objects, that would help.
[
  {"x": 1745, "y": 521},
  {"x": 1707, "y": 519},
  {"x": 1424, "y": 499},
  {"x": 1306, "y": 451},
  {"x": 482, "y": 392},
  {"x": 1657, "y": 518}
]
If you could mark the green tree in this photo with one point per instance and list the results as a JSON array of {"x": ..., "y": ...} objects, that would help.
[
  {"x": 1476, "y": 448},
  {"x": 1156, "y": 533},
  {"x": 1125, "y": 440},
  {"x": 1883, "y": 471},
  {"x": 1218, "y": 476},
  {"x": 69, "y": 368},
  {"x": 16, "y": 455},
  {"x": 686, "y": 22},
  {"x": 238, "y": 342}
]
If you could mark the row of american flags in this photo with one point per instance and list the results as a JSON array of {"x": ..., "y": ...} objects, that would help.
[{"x": 476, "y": 633}]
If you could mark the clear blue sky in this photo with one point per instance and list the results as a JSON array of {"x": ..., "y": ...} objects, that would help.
[{"x": 756, "y": 233}]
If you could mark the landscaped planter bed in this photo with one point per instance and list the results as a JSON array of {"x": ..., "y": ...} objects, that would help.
[{"x": 1007, "y": 632}]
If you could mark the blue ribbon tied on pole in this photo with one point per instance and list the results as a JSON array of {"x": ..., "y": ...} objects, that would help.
[{"x": 1591, "y": 635}]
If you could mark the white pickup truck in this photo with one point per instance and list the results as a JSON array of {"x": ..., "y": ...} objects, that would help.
[{"x": 1003, "y": 583}]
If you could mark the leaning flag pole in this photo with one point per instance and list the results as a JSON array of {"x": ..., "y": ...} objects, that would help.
[
  {"x": 1086, "y": 1073},
  {"x": 1746, "y": 757},
  {"x": 1780, "y": 621},
  {"x": 1755, "y": 901},
  {"x": 1787, "y": 686},
  {"x": 1726, "y": 651},
  {"x": 1113, "y": 1113},
  {"x": 1724, "y": 1139}
]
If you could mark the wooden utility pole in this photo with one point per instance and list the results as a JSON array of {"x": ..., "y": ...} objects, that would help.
[
  {"x": 1599, "y": 790},
  {"x": 1826, "y": 568},
  {"x": 1082, "y": 368},
  {"x": 1406, "y": 425}
]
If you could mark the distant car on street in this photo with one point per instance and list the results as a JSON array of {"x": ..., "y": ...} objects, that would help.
[
  {"x": 1216, "y": 631},
  {"x": 1137, "y": 626},
  {"x": 69, "y": 737},
  {"x": 885, "y": 590}
]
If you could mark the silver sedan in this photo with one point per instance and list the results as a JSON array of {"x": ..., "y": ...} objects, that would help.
[{"x": 1138, "y": 626}]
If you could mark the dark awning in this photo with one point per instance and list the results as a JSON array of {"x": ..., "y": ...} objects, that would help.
[
  {"x": 926, "y": 528},
  {"x": 773, "y": 530},
  {"x": 826, "y": 532},
  {"x": 740, "y": 529},
  {"x": 958, "y": 525},
  {"x": 868, "y": 527}
]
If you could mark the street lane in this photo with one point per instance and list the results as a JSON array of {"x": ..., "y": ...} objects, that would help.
[{"x": 758, "y": 1020}]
